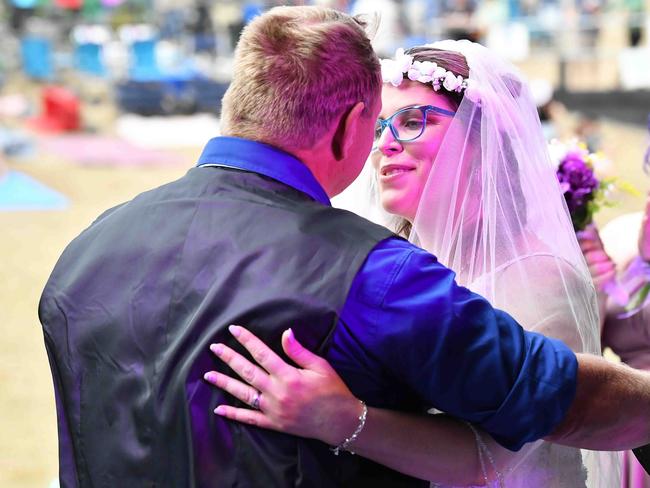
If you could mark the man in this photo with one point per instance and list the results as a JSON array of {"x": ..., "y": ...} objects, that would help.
[{"x": 249, "y": 237}]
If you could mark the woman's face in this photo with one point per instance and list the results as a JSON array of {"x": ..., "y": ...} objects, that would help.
[{"x": 403, "y": 167}]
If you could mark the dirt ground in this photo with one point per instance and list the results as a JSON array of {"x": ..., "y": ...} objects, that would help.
[{"x": 30, "y": 243}]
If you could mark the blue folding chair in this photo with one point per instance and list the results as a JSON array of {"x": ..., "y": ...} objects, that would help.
[
  {"x": 37, "y": 58},
  {"x": 144, "y": 66},
  {"x": 88, "y": 59}
]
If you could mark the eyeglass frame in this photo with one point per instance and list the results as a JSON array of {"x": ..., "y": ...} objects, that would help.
[{"x": 388, "y": 122}]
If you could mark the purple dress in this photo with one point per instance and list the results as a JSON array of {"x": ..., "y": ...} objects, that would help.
[{"x": 627, "y": 333}]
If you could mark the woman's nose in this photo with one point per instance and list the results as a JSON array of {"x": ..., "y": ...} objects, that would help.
[{"x": 387, "y": 144}]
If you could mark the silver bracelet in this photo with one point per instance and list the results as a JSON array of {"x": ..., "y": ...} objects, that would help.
[
  {"x": 483, "y": 448},
  {"x": 362, "y": 422}
]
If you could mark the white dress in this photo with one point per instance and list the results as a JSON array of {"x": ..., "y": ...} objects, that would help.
[{"x": 539, "y": 464}]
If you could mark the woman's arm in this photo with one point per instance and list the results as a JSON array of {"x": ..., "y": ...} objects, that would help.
[
  {"x": 601, "y": 267},
  {"x": 314, "y": 402},
  {"x": 438, "y": 448}
]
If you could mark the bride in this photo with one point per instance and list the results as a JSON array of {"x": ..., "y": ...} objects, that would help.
[{"x": 460, "y": 167}]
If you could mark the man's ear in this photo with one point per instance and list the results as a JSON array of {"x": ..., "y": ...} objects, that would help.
[{"x": 346, "y": 132}]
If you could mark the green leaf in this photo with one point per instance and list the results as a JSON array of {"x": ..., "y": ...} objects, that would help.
[
  {"x": 639, "y": 298},
  {"x": 629, "y": 188}
]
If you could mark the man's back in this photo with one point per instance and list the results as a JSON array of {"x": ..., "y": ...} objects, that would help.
[{"x": 136, "y": 299}]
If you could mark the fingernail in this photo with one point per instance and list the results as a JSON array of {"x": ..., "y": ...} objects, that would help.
[
  {"x": 291, "y": 336},
  {"x": 217, "y": 349},
  {"x": 234, "y": 330},
  {"x": 220, "y": 410},
  {"x": 210, "y": 376}
]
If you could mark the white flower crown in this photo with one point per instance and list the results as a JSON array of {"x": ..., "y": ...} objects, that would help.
[{"x": 393, "y": 70}]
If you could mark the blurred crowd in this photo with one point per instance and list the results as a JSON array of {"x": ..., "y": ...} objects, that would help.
[{"x": 516, "y": 27}]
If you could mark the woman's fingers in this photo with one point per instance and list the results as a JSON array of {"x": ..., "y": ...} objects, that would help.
[
  {"x": 597, "y": 255},
  {"x": 587, "y": 246},
  {"x": 601, "y": 267},
  {"x": 250, "y": 373},
  {"x": 644, "y": 235},
  {"x": 262, "y": 353},
  {"x": 239, "y": 390},
  {"x": 251, "y": 417},
  {"x": 302, "y": 356}
]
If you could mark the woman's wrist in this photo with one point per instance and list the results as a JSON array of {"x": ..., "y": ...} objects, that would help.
[
  {"x": 349, "y": 415},
  {"x": 349, "y": 441}
]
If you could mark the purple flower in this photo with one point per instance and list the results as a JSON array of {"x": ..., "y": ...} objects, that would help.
[{"x": 579, "y": 184}]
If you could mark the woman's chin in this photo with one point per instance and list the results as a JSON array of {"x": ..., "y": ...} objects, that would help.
[{"x": 395, "y": 206}]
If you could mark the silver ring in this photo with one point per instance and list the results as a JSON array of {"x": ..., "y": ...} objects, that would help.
[{"x": 255, "y": 403}]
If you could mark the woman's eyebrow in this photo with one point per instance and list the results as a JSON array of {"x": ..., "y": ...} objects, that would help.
[{"x": 410, "y": 105}]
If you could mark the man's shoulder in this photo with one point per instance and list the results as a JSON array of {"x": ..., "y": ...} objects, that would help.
[
  {"x": 177, "y": 191},
  {"x": 399, "y": 255},
  {"x": 396, "y": 264}
]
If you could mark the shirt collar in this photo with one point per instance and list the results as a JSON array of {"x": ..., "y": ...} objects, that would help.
[{"x": 246, "y": 155}]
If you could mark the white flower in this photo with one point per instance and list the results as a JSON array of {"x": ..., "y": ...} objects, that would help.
[
  {"x": 460, "y": 83},
  {"x": 427, "y": 68},
  {"x": 414, "y": 74},
  {"x": 391, "y": 72},
  {"x": 451, "y": 82},
  {"x": 421, "y": 71},
  {"x": 404, "y": 61},
  {"x": 556, "y": 150},
  {"x": 603, "y": 167},
  {"x": 439, "y": 72}
]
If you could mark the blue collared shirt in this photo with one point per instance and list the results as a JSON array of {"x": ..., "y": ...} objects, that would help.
[{"x": 410, "y": 338}]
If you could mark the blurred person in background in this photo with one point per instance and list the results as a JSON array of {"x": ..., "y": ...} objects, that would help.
[
  {"x": 389, "y": 29},
  {"x": 635, "y": 11},
  {"x": 547, "y": 107},
  {"x": 590, "y": 18},
  {"x": 588, "y": 130},
  {"x": 201, "y": 27},
  {"x": 458, "y": 20},
  {"x": 625, "y": 328}
]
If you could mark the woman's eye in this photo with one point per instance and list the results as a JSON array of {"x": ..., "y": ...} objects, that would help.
[{"x": 413, "y": 124}]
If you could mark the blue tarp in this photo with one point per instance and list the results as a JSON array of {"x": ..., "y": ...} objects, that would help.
[{"x": 19, "y": 191}]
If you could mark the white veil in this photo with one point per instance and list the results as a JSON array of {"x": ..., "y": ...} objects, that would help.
[{"x": 492, "y": 211}]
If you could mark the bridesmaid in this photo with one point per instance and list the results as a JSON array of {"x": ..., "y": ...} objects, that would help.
[{"x": 626, "y": 329}]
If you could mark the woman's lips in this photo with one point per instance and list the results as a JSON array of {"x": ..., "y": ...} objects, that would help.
[{"x": 394, "y": 170}]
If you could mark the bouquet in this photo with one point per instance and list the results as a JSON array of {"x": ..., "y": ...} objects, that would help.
[
  {"x": 583, "y": 191},
  {"x": 586, "y": 189},
  {"x": 582, "y": 181}
]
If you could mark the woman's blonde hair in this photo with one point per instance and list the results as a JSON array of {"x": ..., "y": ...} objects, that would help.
[{"x": 297, "y": 70}]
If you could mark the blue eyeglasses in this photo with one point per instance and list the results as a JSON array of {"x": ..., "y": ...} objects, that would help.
[{"x": 408, "y": 123}]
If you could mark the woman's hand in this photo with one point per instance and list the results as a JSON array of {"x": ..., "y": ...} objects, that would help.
[
  {"x": 310, "y": 402},
  {"x": 314, "y": 402},
  {"x": 644, "y": 235},
  {"x": 601, "y": 267}
]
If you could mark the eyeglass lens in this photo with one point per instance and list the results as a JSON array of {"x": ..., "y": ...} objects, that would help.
[{"x": 407, "y": 124}]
